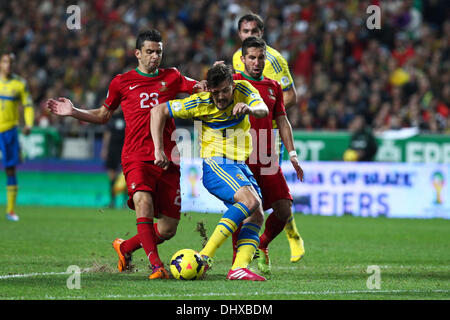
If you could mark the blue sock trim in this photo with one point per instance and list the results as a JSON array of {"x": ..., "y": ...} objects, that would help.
[
  {"x": 227, "y": 227},
  {"x": 237, "y": 213},
  {"x": 243, "y": 208},
  {"x": 249, "y": 231}
]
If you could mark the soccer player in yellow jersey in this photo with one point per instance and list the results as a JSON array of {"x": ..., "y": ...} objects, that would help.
[
  {"x": 226, "y": 143},
  {"x": 13, "y": 92},
  {"x": 275, "y": 68}
]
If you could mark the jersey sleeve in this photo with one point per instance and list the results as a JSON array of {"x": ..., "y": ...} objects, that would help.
[
  {"x": 279, "y": 109},
  {"x": 27, "y": 102},
  {"x": 185, "y": 84},
  {"x": 194, "y": 106},
  {"x": 278, "y": 70},
  {"x": 25, "y": 96},
  {"x": 238, "y": 66},
  {"x": 249, "y": 94},
  {"x": 112, "y": 100}
]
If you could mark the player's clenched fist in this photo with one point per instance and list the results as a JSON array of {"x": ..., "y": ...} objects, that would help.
[
  {"x": 241, "y": 108},
  {"x": 161, "y": 159}
]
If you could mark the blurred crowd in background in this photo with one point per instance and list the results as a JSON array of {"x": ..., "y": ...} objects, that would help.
[{"x": 396, "y": 77}]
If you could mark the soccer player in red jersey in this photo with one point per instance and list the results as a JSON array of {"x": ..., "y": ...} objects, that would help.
[
  {"x": 264, "y": 160},
  {"x": 153, "y": 192}
]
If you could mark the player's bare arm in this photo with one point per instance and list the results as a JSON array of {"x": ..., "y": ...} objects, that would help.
[
  {"x": 260, "y": 110},
  {"x": 64, "y": 107},
  {"x": 159, "y": 115},
  {"x": 285, "y": 130}
]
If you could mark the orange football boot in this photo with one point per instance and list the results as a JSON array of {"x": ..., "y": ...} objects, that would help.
[
  {"x": 124, "y": 262},
  {"x": 158, "y": 272}
]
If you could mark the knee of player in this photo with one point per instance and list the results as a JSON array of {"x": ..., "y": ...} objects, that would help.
[
  {"x": 167, "y": 230},
  {"x": 168, "y": 233},
  {"x": 282, "y": 209},
  {"x": 253, "y": 204},
  {"x": 257, "y": 216},
  {"x": 143, "y": 203}
]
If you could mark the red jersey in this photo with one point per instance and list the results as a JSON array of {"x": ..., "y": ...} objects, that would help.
[
  {"x": 137, "y": 93},
  {"x": 271, "y": 93}
]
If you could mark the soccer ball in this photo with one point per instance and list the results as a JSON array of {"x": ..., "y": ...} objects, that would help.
[{"x": 187, "y": 264}]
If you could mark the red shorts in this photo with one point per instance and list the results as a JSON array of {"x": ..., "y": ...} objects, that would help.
[
  {"x": 273, "y": 186},
  {"x": 164, "y": 185}
]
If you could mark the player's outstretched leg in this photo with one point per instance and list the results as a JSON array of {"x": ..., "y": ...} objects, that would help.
[
  {"x": 143, "y": 203},
  {"x": 295, "y": 240},
  {"x": 225, "y": 228},
  {"x": 164, "y": 229},
  {"x": 124, "y": 263},
  {"x": 273, "y": 226}
]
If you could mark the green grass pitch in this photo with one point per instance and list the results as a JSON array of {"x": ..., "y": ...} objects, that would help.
[{"x": 412, "y": 255}]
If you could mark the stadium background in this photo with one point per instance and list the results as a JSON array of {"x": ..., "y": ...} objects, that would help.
[{"x": 398, "y": 77}]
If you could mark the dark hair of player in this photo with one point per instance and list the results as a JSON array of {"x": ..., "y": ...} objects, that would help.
[
  {"x": 147, "y": 35},
  {"x": 252, "y": 42},
  {"x": 217, "y": 74},
  {"x": 251, "y": 17}
]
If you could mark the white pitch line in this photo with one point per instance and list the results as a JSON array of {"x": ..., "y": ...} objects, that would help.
[
  {"x": 299, "y": 267},
  {"x": 210, "y": 294},
  {"x": 37, "y": 274},
  {"x": 234, "y": 294}
]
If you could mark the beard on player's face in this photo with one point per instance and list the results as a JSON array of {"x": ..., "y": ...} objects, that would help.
[
  {"x": 222, "y": 94},
  {"x": 254, "y": 72},
  {"x": 150, "y": 63}
]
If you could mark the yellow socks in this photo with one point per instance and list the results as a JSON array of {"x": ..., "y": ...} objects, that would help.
[
  {"x": 225, "y": 228},
  {"x": 291, "y": 228},
  {"x": 11, "y": 195},
  {"x": 295, "y": 240},
  {"x": 247, "y": 244}
]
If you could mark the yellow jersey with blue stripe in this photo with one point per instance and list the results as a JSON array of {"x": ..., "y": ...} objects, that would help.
[
  {"x": 276, "y": 67},
  {"x": 13, "y": 92},
  {"x": 222, "y": 133}
]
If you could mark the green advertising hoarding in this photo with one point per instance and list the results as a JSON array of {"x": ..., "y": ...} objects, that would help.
[
  {"x": 41, "y": 143},
  {"x": 395, "y": 146},
  {"x": 66, "y": 189},
  {"x": 392, "y": 147}
]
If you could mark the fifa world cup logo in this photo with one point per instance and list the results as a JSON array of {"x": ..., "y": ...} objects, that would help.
[{"x": 438, "y": 184}]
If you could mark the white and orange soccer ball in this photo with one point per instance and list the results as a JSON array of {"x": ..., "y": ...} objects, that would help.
[{"x": 187, "y": 264}]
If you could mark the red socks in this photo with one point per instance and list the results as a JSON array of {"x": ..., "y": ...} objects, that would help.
[
  {"x": 130, "y": 245},
  {"x": 146, "y": 233},
  {"x": 134, "y": 243},
  {"x": 273, "y": 227}
]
